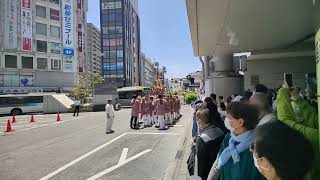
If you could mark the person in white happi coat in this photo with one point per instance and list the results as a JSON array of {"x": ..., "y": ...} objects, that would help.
[{"x": 110, "y": 117}]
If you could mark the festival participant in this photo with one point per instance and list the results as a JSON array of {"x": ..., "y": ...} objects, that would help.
[
  {"x": 145, "y": 110},
  {"x": 177, "y": 107},
  {"x": 161, "y": 110},
  {"x": 135, "y": 103}
]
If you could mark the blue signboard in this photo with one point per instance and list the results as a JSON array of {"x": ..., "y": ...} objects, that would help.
[{"x": 68, "y": 51}]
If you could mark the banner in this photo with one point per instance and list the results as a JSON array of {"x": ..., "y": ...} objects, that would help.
[
  {"x": 26, "y": 81},
  {"x": 55, "y": 48},
  {"x": 10, "y": 24},
  {"x": 80, "y": 32},
  {"x": 67, "y": 25},
  {"x": 26, "y": 25}
]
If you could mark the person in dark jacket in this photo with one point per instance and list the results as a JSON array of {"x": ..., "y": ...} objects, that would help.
[{"x": 208, "y": 143}]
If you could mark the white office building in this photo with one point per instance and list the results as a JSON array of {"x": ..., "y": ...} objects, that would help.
[{"x": 41, "y": 44}]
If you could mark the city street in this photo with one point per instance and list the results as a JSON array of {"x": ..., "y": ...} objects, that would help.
[{"x": 78, "y": 148}]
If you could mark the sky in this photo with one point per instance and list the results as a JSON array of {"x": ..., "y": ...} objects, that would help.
[{"x": 165, "y": 35}]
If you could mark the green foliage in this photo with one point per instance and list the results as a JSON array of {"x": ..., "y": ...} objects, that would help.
[
  {"x": 86, "y": 85},
  {"x": 190, "y": 97}
]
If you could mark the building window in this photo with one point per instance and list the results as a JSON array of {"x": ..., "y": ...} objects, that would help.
[
  {"x": 55, "y": 31},
  {"x": 55, "y": 64},
  {"x": 41, "y": 11},
  {"x": 1, "y": 81},
  {"x": 113, "y": 54},
  {"x": 111, "y": 5},
  {"x": 41, "y": 29},
  {"x": 42, "y": 46},
  {"x": 27, "y": 62},
  {"x": 10, "y": 61},
  {"x": 42, "y": 63},
  {"x": 55, "y": 1},
  {"x": 54, "y": 14},
  {"x": 119, "y": 53},
  {"x": 10, "y": 80},
  {"x": 112, "y": 30}
]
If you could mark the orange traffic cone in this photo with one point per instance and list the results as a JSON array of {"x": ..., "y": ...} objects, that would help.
[
  {"x": 9, "y": 129},
  {"x": 13, "y": 119},
  {"x": 58, "y": 117},
  {"x": 32, "y": 119}
]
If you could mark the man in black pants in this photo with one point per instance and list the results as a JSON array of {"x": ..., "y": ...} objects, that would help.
[{"x": 76, "y": 107}]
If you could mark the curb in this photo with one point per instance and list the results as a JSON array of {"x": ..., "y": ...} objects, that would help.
[{"x": 172, "y": 172}]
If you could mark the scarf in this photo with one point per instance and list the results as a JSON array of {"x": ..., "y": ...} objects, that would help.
[{"x": 233, "y": 151}]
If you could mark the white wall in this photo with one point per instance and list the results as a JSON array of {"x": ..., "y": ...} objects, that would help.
[{"x": 271, "y": 71}]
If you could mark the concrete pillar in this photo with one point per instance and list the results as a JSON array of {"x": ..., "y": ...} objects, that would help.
[{"x": 222, "y": 79}]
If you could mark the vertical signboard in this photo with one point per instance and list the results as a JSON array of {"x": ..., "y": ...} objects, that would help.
[
  {"x": 26, "y": 25},
  {"x": 80, "y": 31},
  {"x": 67, "y": 23},
  {"x": 10, "y": 24}
]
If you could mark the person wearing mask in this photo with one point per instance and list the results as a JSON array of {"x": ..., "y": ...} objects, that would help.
[
  {"x": 309, "y": 126},
  {"x": 281, "y": 153},
  {"x": 260, "y": 101},
  {"x": 76, "y": 107},
  {"x": 161, "y": 111},
  {"x": 207, "y": 144},
  {"x": 135, "y": 104},
  {"x": 235, "y": 161},
  {"x": 110, "y": 116}
]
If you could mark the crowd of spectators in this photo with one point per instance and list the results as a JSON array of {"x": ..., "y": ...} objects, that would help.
[{"x": 264, "y": 134}]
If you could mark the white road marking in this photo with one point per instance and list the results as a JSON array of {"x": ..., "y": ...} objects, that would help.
[
  {"x": 80, "y": 158},
  {"x": 151, "y": 133},
  {"x": 123, "y": 155},
  {"x": 102, "y": 173}
]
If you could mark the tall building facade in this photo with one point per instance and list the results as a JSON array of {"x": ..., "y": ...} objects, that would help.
[
  {"x": 120, "y": 36},
  {"x": 93, "y": 49},
  {"x": 148, "y": 71},
  {"x": 41, "y": 44}
]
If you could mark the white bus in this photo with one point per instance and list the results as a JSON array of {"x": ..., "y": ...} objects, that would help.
[
  {"x": 39, "y": 102},
  {"x": 22, "y": 103}
]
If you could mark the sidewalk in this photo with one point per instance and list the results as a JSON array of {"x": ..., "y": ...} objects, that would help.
[
  {"x": 177, "y": 169},
  {"x": 182, "y": 168}
]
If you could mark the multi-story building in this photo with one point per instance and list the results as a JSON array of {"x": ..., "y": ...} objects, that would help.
[
  {"x": 41, "y": 44},
  {"x": 120, "y": 34},
  {"x": 93, "y": 48},
  {"x": 148, "y": 71}
]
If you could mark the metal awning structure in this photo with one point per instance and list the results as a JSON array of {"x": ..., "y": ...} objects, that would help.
[{"x": 248, "y": 25}]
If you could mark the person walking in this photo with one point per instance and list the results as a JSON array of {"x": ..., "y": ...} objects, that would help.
[
  {"x": 110, "y": 116},
  {"x": 135, "y": 103},
  {"x": 76, "y": 107}
]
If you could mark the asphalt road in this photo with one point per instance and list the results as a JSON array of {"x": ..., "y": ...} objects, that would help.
[{"x": 78, "y": 148}]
